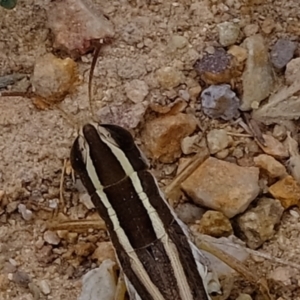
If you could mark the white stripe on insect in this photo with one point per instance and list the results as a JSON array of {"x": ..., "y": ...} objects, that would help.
[
  {"x": 136, "y": 264},
  {"x": 157, "y": 224}
]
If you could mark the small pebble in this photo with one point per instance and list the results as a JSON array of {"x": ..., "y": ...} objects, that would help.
[
  {"x": 228, "y": 33},
  {"x": 7, "y": 80},
  {"x": 184, "y": 94},
  {"x": 292, "y": 72},
  {"x": 45, "y": 288},
  {"x": 222, "y": 154},
  {"x": 268, "y": 163},
  {"x": 286, "y": 190},
  {"x": 215, "y": 224},
  {"x": 169, "y": 77},
  {"x": 26, "y": 213},
  {"x": 282, "y": 275},
  {"x": 35, "y": 291},
  {"x": 136, "y": 90},
  {"x": 13, "y": 262},
  {"x": 12, "y": 206},
  {"x": 217, "y": 140},
  {"x": 189, "y": 213},
  {"x": 4, "y": 282},
  {"x": 294, "y": 213},
  {"x": 21, "y": 278},
  {"x": 51, "y": 237},
  {"x": 279, "y": 132},
  {"x": 177, "y": 42},
  {"x": 189, "y": 144},
  {"x": 39, "y": 243},
  {"x": 251, "y": 29},
  {"x": 268, "y": 25},
  {"x": 258, "y": 224},
  {"x": 104, "y": 251},
  {"x": 282, "y": 52},
  {"x": 244, "y": 297},
  {"x": 8, "y": 267},
  {"x": 222, "y": 186},
  {"x": 216, "y": 68},
  {"x": 53, "y": 77},
  {"x": 194, "y": 92},
  {"x": 239, "y": 53}
]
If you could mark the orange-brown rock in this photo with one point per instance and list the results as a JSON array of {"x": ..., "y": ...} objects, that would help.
[
  {"x": 268, "y": 163},
  {"x": 223, "y": 186},
  {"x": 162, "y": 136},
  {"x": 287, "y": 190},
  {"x": 53, "y": 78},
  {"x": 104, "y": 251}
]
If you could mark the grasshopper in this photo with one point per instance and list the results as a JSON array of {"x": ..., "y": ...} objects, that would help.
[{"x": 152, "y": 246}]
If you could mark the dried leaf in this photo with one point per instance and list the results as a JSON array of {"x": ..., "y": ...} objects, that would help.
[
  {"x": 281, "y": 106},
  {"x": 294, "y": 161}
]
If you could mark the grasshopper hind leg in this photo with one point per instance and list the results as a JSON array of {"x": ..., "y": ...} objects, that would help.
[
  {"x": 121, "y": 290},
  {"x": 133, "y": 295}
]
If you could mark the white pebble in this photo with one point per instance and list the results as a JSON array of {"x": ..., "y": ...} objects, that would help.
[
  {"x": 45, "y": 288},
  {"x": 26, "y": 213}
]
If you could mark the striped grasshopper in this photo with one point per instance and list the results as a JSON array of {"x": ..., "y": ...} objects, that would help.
[{"x": 152, "y": 246}]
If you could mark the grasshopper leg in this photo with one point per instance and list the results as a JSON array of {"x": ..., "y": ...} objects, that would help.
[{"x": 121, "y": 288}]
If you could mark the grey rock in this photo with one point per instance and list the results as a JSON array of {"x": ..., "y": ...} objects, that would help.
[
  {"x": 282, "y": 52},
  {"x": 219, "y": 101},
  {"x": 21, "y": 278},
  {"x": 257, "y": 78},
  {"x": 257, "y": 224},
  {"x": 10, "y": 79},
  {"x": 189, "y": 213}
]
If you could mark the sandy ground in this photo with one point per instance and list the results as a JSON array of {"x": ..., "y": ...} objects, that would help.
[{"x": 34, "y": 143}]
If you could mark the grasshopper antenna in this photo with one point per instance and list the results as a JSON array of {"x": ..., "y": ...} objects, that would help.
[{"x": 94, "y": 61}]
